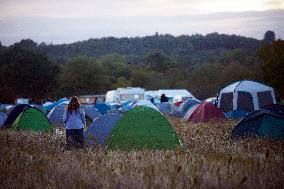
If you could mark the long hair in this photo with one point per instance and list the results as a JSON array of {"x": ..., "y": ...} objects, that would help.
[{"x": 74, "y": 104}]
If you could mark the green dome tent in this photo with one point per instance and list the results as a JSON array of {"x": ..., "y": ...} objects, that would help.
[
  {"x": 32, "y": 119},
  {"x": 143, "y": 128}
]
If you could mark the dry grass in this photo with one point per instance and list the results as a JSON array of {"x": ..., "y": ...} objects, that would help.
[{"x": 210, "y": 159}]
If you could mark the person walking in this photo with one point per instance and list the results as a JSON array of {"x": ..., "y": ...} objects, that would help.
[{"x": 75, "y": 121}]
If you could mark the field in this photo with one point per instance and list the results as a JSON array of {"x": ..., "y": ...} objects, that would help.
[{"x": 211, "y": 158}]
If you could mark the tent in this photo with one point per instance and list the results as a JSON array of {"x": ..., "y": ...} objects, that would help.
[
  {"x": 245, "y": 96},
  {"x": 32, "y": 119},
  {"x": 143, "y": 128},
  {"x": 147, "y": 103},
  {"x": 205, "y": 112},
  {"x": 3, "y": 117},
  {"x": 16, "y": 111},
  {"x": 212, "y": 100},
  {"x": 9, "y": 108},
  {"x": 236, "y": 114},
  {"x": 39, "y": 107},
  {"x": 165, "y": 107},
  {"x": 190, "y": 112},
  {"x": 183, "y": 94},
  {"x": 185, "y": 106},
  {"x": 55, "y": 116},
  {"x": 261, "y": 123},
  {"x": 101, "y": 128},
  {"x": 275, "y": 108},
  {"x": 127, "y": 105},
  {"x": 91, "y": 112},
  {"x": 51, "y": 106},
  {"x": 102, "y": 107}
]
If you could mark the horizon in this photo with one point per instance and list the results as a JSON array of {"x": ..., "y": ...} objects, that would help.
[{"x": 69, "y": 21}]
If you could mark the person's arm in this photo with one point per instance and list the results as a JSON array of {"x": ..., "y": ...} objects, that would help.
[{"x": 65, "y": 116}]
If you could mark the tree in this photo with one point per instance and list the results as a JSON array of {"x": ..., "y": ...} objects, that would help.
[
  {"x": 141, "y": 77},
  {"x": 81, "y": 76},
  {"x": 114, "y": 66},
  {"x": 272, "y": 61},
  {"x": 269, "y": 37},
  {"x": 26, "y": 44},
  {"x": 157, "y": 61},
  {"x": 24, "y": 73}
]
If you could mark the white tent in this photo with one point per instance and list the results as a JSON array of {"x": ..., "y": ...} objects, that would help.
[
  {"x": 245, "y": 96},
  {"x": 171, "y": 93},
  {"x": 147, "y": 103}
]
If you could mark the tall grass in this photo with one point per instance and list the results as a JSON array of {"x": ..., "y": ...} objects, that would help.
[{"x": 211, "y": 158}]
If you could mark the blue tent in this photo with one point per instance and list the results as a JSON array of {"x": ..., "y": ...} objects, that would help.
[
  {"x": 164, "y": 107},
  {"x": 16, "y": 111},
  {"x": 127, "y": 105},
  {"x": 91, "y": 112},
  {"x": 236, "y": 114},
  {"x": 101, "y": 128},
  {"x": 3, "y": 117},
  {"x": 261, "y": 123},
  {"x": 102, "y": 107},
  {"x": 55, "y": 116},
  {"x": 51, "y": 106}
]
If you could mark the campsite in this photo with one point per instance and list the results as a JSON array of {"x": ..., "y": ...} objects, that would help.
[
  {"x": 141, "y": 94},
  {"x": 182, "y": 143}
]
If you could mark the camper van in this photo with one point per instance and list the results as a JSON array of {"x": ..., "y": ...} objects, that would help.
[
  {"x": 111, "y": 97},
  {"x": 130, "y": 93},
  {"x": 122, "y": 95}
]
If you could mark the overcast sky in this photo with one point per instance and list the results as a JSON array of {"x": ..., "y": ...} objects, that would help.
[{"x": 66, "y": 21}]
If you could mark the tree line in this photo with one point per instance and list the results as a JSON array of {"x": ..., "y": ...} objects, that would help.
[{"x": 201, "y": 64}]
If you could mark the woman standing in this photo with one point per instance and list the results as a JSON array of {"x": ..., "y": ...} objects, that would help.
[{"x": 75, "y": 121}]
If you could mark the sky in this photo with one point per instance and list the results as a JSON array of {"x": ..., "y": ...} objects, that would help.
[{"x": 67, "y": 21}]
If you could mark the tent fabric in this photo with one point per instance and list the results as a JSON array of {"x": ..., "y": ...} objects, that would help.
[
  {"x": 101, "y": 128},
  {"x": 53, "y": 105},
  {"x": 261, "y": 123},
  {"x": 275, "y": 108},
  {"x": 174, "y": 111},
  {"x": 206, "y": 112},
  {"x": 185, "y": 106},
  {"x": 3, "y": 117},
  {"x": 9, "y": 108},
  {"x": 178, "y": 103},
  {"x": 39, "y": 107},
  {"x": 32, "y": 119},
  {"x": 146, "y": 103},
  {"x": 190, "y": 111},
  {"x": 91, "y": 112},
  {"x": 245, "y": 96},
  {"x": 55, "y": 116},
  {"x": 143, "y": 128},
  {"x": 102, "y": 107},
  {"x": 16, "y": 111},
  {"x": 236, "y": 114},
  {"x": 165, "y": 107},
  {"x": 127, "y": 105}
]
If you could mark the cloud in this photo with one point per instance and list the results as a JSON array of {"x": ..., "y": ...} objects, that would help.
[
  {"x": 67, "y": 30},
  {"x": 92, "y": 8},
  {"x": 275, "y": 4}
]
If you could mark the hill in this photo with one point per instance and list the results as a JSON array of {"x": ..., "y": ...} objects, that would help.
[{"x": 195, "y": 48}]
